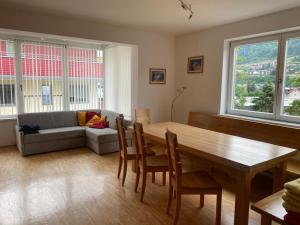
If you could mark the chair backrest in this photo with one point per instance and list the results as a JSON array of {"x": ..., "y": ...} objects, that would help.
[
  {"x": 175, "y": 167},
  {"x": 143, "y": 116},
  {"x": 139, "y": 134},
  {"x": 121, "y": 134}
]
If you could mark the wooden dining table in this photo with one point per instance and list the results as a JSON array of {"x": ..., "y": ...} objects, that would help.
[{"x": 233, "y": 161}]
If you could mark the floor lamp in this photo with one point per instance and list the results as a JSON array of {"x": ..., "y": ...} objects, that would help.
[{"x": 179, "y": 92}]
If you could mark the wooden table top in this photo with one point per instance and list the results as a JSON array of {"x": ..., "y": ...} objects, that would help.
[{"x": 244, "y": 154}]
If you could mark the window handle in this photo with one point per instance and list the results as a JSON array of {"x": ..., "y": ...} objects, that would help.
[
  {"x": 279, "y": 81},
  {"x": 21, "y": 87}
]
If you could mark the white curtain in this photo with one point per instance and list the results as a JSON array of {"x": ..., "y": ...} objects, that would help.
[{"x": 118, "y": 74}]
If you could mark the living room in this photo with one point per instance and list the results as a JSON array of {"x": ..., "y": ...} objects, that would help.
[{"x": 179, "y": 60}]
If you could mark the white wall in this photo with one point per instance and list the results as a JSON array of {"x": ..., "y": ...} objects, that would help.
[
  {"x": 7, "y": 132},
  {"x": 154, "y": 50},
  {"x": 204, "y": 90},
  {"x": 118, "y": 74}
]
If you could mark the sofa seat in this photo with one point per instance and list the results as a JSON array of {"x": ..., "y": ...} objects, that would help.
[
  {"x": 102, "y": 135},
  {"x": 55, "y": 134}
]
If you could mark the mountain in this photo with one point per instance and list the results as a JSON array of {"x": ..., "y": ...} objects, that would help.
[{"x": 266, "y": 51}]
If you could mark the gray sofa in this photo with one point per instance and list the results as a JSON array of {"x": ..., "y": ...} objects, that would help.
[{"x": 60, "y": 130}]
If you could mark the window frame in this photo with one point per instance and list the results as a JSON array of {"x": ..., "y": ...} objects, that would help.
[
  {"x": 277, "y": 114},
  {"x": 280, "y": 106}
]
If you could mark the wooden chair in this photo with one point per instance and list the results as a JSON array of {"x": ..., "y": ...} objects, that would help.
[
  {"x": 146, "y": 163},
  {"x": 143, "y": 116},
  {"x": 198, "y": 182},
  {"x": 126, "y": 153}
]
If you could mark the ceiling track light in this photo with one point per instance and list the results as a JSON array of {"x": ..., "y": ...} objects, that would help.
[{"x": 187, "y": 7}]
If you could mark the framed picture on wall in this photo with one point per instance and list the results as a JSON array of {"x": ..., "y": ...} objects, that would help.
[
  {"x": 157, "y": 76},
  {"x": 195, "y": 64}
]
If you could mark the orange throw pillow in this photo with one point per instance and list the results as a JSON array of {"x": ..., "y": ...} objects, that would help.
[
  {"x": 81, "y": 118},
  {"x": 95, "y": 119}
]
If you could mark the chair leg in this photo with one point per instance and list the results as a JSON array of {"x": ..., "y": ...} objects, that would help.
[
  {"x": 171, "y": 191},
  {"x": 124, "y": 172},
  {"x": 164, "y": 178},
  {"x": 201, "y": 200},
  {"x": 178, "y": 206},
  {"x": 153, "y": 177},
  {"x": 143, "y": 185},
  {"x": 120, "y": 166},
  {"x": 219, "y": 207},
  {"x": 137, "y": 180}
]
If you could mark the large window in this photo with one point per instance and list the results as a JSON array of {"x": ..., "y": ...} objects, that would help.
[
  {"x": 45, "y": 76},
  {"x": 265, "y": 77},
  {"x": 53, "y": 73}
]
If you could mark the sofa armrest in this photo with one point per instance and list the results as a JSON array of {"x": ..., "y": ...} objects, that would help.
[{"x": 20, "y": 139}]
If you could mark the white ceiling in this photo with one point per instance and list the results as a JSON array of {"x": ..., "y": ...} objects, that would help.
[{"x": 159, "y": 15}]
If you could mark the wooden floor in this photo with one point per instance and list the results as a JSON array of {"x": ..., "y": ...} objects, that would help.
[{"x": 78, "y": 187}]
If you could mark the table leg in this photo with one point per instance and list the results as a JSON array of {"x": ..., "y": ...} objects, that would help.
[
  {"x": 279, "y": 176},
  {"x": 133, "y": 166},
  {"x": 242, "y": 200}
]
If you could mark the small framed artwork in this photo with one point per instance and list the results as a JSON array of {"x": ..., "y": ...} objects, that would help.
[
  {"x": 157, "y": 76},
  {"x": 195, "y": 64}
]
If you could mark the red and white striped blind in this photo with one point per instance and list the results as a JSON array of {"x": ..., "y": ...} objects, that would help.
[
  {"x": 85, "y": 78},
  {"x": 42, "y": 76}
]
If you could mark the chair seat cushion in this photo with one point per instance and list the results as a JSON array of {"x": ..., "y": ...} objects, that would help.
[
  {"x": 102, "y": 135},
  {"x": 157, "y": 160},
  {"x": 158, "y": 149},
  {"x": 197, "y": 180},
  {"x": 55, "y": 134}
]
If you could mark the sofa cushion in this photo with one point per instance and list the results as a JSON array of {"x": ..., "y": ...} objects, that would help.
[
  {"x": 102, "y": 135},
  {"x": 96, "y": 118},
  {"x": 111, "y": 118},
  {"x": 48, "y": 120},
  {"x": 55, "y": 134},
  {"x": 81, "y": 118}
]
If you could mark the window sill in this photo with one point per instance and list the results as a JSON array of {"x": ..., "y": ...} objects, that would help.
[
  {"x": 14, "y": 118},
  {"x": 273, "y": 122}
]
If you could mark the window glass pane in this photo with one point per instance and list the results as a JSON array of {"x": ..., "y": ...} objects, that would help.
[
  {"x": 291, "y": 95},
  {"x": 85, "y": 78},
  {"x": 7, "y": 78},
  {"x": 46, "y": 95},
  {"x": 255, "y": 70},
  {"x": 42, "y": 76}
]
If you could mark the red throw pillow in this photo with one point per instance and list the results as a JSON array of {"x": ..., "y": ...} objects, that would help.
[
  {"x": 89, "y": 115},
  {"x": 99, "y": 125}
]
